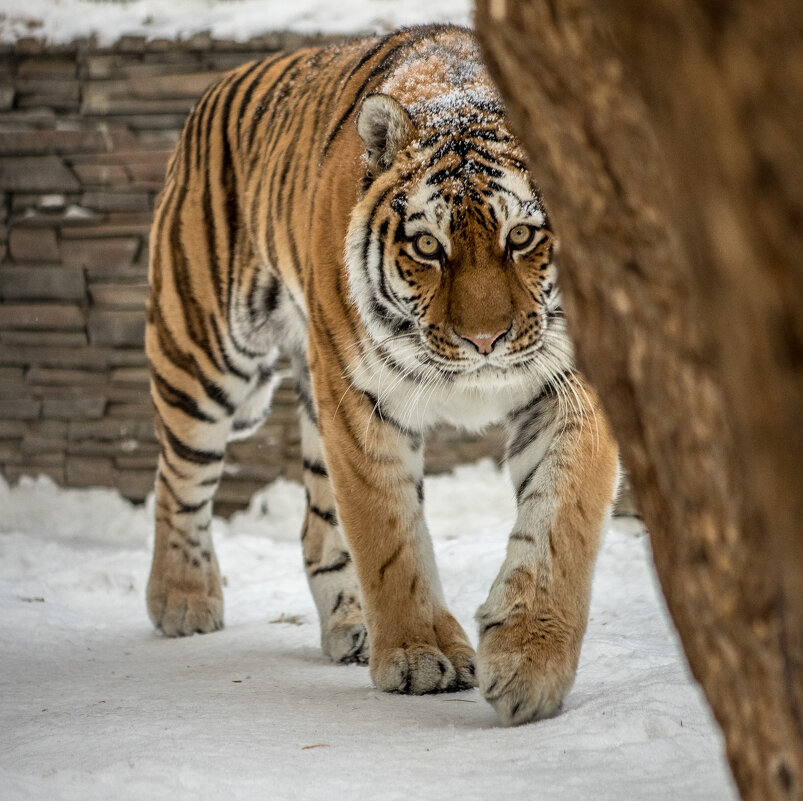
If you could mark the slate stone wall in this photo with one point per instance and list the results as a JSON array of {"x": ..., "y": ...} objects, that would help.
[{"x": 85, "y": 134}]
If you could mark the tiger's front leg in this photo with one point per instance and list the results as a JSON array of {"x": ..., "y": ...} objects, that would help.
[
  {"x": 330, "y": 570},
  {"x": 563, "y": 462},
  {"x": 376, "y": 466},
  {"x": 184, "y": 593}
]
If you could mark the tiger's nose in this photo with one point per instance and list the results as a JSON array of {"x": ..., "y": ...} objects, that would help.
[{"x": 484, "y": 343}]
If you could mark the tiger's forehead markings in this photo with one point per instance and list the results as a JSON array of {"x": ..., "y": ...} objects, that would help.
[
  {"x": 423, "y": 203},
  {"x": 513, "y": 198},
  {"x": 469, "y": 184}
]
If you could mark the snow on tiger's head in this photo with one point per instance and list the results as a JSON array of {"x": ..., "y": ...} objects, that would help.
[{"x": 449, "y": 248}]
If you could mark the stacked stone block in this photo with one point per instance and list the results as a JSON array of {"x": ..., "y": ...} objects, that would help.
[{"x": 85, "y": 134}]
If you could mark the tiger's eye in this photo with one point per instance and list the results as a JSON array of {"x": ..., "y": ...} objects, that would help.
[
  {"x": 520, "y": 236},
  {"x": 427, "y": 246}
]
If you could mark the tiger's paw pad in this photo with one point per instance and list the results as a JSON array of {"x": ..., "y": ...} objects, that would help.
[
  {"x": 419, "y": 669},
  {"x": 178, "y": 612},
  {"x": 346, "y": 644}
]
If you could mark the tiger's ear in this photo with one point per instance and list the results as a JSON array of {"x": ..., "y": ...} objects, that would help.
[{"x": 385, "y": 128}]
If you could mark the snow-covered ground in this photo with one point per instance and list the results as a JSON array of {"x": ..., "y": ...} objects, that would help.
[
  {"x": 96, "y": 705},
  {"x": 61, "y": 21}
]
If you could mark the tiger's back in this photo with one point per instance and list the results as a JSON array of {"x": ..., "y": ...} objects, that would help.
[{"x": 365, "y": 210}]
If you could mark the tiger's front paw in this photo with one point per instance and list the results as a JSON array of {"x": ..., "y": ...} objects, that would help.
[
  {"x": 186, "y": 604},
  {"x": 441, "y": 661},
  {"x": 526, "y": 665},
  {"x": 421, "y": 668}
]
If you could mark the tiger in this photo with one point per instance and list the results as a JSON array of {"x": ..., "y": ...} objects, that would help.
[{"x": 364, "y": 210}]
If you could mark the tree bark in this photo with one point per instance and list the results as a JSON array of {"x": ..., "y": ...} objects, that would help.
[{"x": 667, "y": 140}]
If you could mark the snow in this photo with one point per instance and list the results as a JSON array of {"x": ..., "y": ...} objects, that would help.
[
  {"x": 61, "y": 21},
  {"x": 94, "y": 704}
]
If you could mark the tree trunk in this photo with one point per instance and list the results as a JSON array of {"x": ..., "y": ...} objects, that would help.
[{"x": 679, "y": 206}]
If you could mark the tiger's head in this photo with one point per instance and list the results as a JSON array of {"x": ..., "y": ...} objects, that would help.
[{"x": 449, "y": 250}]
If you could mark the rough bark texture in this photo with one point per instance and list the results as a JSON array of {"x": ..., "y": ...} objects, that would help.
[{"x": 667, "y": 139}]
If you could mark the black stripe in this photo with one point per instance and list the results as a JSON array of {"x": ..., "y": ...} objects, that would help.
[
  {"x": 411, "y": 36},
  {"x": 528, "y": 478},
  {"x": 259, "y": 110},
  {"x": 232, "y": 89},
  {"x": 485, "y": 628},
  {"x": 228, "y": 183},
  {"x": 189, "y": 364},
  {"x": 390, "y": 361},
  {"x": 546, "y": 391},
  {"x": 193, "y": 145},
  {"x": 191, "y": 308},
  {"x": 410, "y": 434},
  {"x": 178, "y": 399},
  {"x": 215, "y": 392},
  {"x": 370, "y": 224},
  {"x": 282, "y": 185},
  {"x": 251, "y": 297},
  {"x": 531, "y": 427},
  {"x": 439, "y": 177},
  {"x": 484, "y": 134},
  {"x": 462, "y": 147},
  {"x": 327, "y": 515},
  {"x": 188, "y": 453},
  {"x": 246, "y": 425},
  {"x": 358, "y": 94},
  {"x": 339, "y": 601},
  {"x": 255, "y": 72},
  {"x": 382, "y": 67},
  {"x": 168, "y": 345},
  {"x": 345, "y": 559},
  {"x": 183, "y": 508},
  {"x": 264, "y": 374},
  {"x": 330, "y": 337},
  {"x": 316, "y": 468},
  {"x": 385, "y": 289},
  {"x": 166, "y": 459},
  {"x": 497, "y": 187},
  {"x": 221, "y": 345},
  {"x": 389, "y": 561},
  {"x": 270, "y": 95},
  {"x": 168, "y": 523},
  {"x": 206, "y": 201}
]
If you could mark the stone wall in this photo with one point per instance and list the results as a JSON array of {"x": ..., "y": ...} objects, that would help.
[{"x": 85, "y": 134}]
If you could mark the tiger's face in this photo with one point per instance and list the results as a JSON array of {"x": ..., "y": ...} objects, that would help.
[{"x": 450, "y": 252}]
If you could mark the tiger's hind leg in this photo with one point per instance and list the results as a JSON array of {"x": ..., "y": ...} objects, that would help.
[{"x": 330, "y": 571}]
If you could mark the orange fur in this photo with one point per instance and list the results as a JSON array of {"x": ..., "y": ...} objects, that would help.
[{"x": 366, "y": 210}]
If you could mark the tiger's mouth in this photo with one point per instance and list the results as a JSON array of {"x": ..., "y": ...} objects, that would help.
[
  {"x": 508, "y": 355},
  {"x": 442, "y": 347}
]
